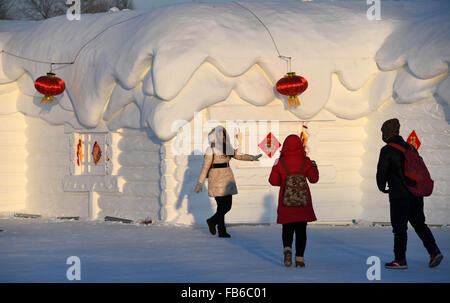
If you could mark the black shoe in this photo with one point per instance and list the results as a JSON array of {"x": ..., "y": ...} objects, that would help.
[
  {"x": 435, "y": 259},
  {"x": 396, "y": 264},
  {"x": 224, "y": 235},
  {"x": 212, "y": 226}
]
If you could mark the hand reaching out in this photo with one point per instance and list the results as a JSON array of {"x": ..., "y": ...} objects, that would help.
[
  {"x": 256, "y": 158},
  {"x": 198, "y": 187}
]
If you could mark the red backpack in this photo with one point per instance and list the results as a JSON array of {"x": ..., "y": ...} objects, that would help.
[{"x": 416, "y": 170}]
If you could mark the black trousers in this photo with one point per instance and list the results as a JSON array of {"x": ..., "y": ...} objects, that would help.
[
  {"x": 299, "y": 228},
  {"x": 402, "y": 211},
  {"x": 223, "y": 206}
]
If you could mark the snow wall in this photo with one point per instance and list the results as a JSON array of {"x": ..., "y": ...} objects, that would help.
[{"x": 130, "y": 84}]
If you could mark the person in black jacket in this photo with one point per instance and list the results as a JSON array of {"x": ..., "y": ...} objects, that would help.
[{"x": 404, "y": 206}]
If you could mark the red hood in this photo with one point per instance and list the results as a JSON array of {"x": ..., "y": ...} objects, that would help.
[{"x": 292, "y": 145}]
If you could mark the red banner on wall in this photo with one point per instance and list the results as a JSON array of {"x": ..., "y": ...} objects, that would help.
[
  {"x": 413, "y": 140},
  {"x": 270, "y": 145}
]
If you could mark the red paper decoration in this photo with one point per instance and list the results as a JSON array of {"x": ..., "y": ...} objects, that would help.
[
  {"x": 292, "y": 86},
  {"x": 304, "y": 136},
  {"x": 270, "y": 145},
  {"x": 96, "y": 152},
  {"x": 49, "y": 86},
  {"x": 413, "y": 140},
  {"x": 79, "y": 152}
]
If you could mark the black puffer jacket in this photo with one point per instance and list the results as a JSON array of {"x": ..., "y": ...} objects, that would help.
[{"x": 390, "y": 169}]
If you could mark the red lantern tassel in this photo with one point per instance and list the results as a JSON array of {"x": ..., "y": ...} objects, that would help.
[
  {"x": 293, "y": 101},
  {"x": 47, "y": 99}
]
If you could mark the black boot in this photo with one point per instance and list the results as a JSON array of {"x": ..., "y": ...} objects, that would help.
[
  {"x": 224, "y": 235},
  {"x": 222, "y": 230},
  {"x": 223, "y": 206},
  {"x": 211, "y": 226}
]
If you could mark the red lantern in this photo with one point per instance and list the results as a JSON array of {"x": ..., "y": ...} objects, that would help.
[
  {"x": 291, "y": 86},
  {"x": 49, "y": 86}
]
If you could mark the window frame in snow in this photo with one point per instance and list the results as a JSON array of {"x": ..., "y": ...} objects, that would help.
[{"x": 87, "y": 166}]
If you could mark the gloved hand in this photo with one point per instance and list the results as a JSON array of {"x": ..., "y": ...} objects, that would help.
[
  {"x": 198, "y": 187},
  {"x": 256, "y": 158},
  {"x": 314, "y": 163}
]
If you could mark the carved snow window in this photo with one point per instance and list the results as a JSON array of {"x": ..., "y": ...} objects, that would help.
[{"x": 90, "y": 154}]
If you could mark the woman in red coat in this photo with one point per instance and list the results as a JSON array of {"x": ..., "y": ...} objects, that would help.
[{"x": 294, "y": 219}]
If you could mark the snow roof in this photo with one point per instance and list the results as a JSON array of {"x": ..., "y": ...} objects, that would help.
[{"x": 150, "y": 68}]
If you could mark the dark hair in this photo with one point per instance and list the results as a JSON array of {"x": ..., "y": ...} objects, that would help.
[
  {"x": 390, "y": 128},
  {"x": 225, "y": 143}
]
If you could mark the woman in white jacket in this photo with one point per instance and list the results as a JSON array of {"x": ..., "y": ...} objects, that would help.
[{"x": 221, "y": 183}]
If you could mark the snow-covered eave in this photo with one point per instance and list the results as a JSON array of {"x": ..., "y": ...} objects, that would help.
[{"x": 152, "y": 68}]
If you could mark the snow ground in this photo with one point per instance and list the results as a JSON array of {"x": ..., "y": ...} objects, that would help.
[{"x": 35, "y": 250}]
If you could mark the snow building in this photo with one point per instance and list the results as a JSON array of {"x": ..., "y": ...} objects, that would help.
[{"x": 146, "y": 87}]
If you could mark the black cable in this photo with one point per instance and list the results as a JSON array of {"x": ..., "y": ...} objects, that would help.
[
  {"x": 104, "y": 30},
  {"x": 287, "y": 59},
  {"x": 267, "y": 29}
]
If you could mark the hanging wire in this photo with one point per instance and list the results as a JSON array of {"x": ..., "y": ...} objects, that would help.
[
  {"x": 285, "y": 58},
  {"x": 79, "y": 51},
  {"x": 32, "y": 60},
  {"x": 267, "y": 29},
  {"x": 288, "y": 62}
]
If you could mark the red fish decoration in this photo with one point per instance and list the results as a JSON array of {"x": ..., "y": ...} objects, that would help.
[
  {"x": 79, "y": 152},
  {"x": 96, "y": 152}
]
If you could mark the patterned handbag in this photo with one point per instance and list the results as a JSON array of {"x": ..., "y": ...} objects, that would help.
[{"x": 295, "y": 191}]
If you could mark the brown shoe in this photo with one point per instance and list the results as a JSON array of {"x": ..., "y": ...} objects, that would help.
[
  {"x": 212, "y": 226},
  {"x": 287, "y": 256},
  {"x": 299, "y": 261}
]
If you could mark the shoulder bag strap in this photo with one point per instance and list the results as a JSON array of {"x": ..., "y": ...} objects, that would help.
[
  {"x": 285, "y": 167},
  {"x": 397, "y": 146},
  {"x": 303, "y": 165}
]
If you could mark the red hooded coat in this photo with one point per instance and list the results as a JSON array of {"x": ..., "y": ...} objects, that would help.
[{"x": 293, "y": 154}]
